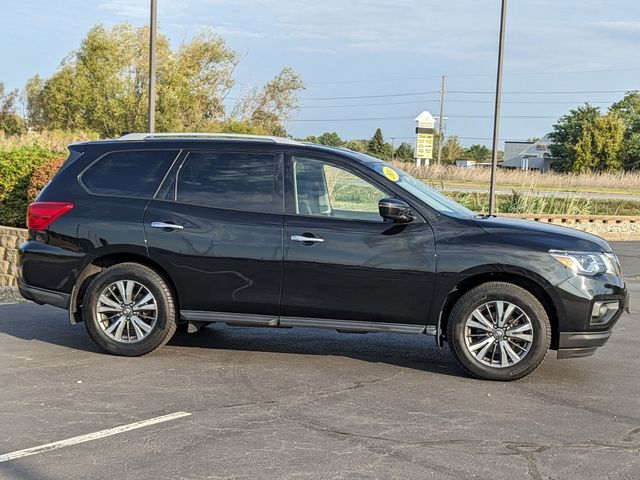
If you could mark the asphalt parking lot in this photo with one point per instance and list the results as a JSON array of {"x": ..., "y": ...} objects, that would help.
[{"x": 307, "y": 404}]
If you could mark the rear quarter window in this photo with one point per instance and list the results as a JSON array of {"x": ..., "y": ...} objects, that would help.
[{"x": 128, "y": 173}]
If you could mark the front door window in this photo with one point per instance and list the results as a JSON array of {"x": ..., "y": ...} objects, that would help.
[{"x": 324, "y": 190}]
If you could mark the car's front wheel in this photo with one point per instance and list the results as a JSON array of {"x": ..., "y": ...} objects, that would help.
[
  {"x": 129, "y": 310},
  {"x": 498, "y": 331}
]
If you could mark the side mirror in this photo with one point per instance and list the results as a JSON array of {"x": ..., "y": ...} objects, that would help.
[{"x": 395, "y": 209}]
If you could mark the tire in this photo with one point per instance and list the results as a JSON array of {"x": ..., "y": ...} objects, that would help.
[
  {"x": 487, "y": 353},
  {"x": 147, "y": 324}
]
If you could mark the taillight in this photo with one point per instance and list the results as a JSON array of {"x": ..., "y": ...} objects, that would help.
[{"x": 41, "y": 214}]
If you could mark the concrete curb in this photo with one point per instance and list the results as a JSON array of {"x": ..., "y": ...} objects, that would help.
[{"x": 10, "y": 295}]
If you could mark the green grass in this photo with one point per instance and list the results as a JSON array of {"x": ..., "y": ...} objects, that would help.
[
  {"x": 359, "y": 198},
  {"x": 538, "y": 205},
  {"x": 544, "y": 188},
  {"x": 355, "y": 198}
]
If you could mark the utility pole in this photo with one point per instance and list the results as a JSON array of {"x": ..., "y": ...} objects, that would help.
[
  {"x": 393, "y": 148},
  {"x": 496, "y": 113},
  {"x": 152, "y": 65},
  {"x": 441, "y": 122}
]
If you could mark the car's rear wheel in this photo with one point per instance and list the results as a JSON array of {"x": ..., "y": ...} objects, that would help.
[
  {"x": 498, "y": 331},
  {"x": 129, "y": 310}
]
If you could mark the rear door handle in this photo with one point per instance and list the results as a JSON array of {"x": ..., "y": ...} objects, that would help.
[
  {"x": 172, "y": 226},
  {"x": 305, "y": 239}
]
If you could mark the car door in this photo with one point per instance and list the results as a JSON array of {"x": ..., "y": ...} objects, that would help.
[
  {"x": 218, "y": 233},
  {"x": 342, "y": 261}
]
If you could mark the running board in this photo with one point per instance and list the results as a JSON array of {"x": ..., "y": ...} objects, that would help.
[
  {"x": 245, "y": 319},
  {"x": 347, "y": 326},
  {"x": 354, "y": 326}
]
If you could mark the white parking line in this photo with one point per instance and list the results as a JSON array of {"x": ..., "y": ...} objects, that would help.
[{"x": 90, "y": 436}]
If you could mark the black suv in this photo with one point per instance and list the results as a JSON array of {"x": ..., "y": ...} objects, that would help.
[{"x": 138, "y": 235}]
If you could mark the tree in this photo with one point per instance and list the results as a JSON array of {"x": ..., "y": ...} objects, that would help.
[
  {"x": 10, "y": 121},
  {"x": 598, "y": 148},
  {"x": 566, "y": 134},
  {"x": 404, "y": 152},
  {"x": 357, "y": 145},
  {"x": 630, "y": 154},
  {"x": 479, "y": 153},
  {"x": 629, "y": 111},
  {"x": 103, "y": 87},
  {"x": 33, "y": 100},
  {"x": 270, "y": 107},
  {"x": 436, "y": 145},
  {"x": 452, "y": 150},
  {"x": 377, "y": 147},
  {"x": 331, "y": 139}
]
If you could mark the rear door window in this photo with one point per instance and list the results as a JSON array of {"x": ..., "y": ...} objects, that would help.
[
  {"x": 129, "y": 173},
  {"x": 229, "y": 180}
]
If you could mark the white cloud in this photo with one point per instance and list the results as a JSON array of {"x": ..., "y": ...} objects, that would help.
[{"x": 541, "y": 34}]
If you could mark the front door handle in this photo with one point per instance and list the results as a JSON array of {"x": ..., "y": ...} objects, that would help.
[
  {"x": 305, "y": 239},
  {"x": 166, "y": 225}
]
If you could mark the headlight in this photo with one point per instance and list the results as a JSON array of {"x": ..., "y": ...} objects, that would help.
[{"x": 588, "y": 263}]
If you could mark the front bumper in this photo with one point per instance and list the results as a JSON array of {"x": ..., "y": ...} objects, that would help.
[
  {"x": 581, "y": 334},
  {"x": 581, "y": 344}
]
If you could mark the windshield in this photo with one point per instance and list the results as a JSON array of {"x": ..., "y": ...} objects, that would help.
[{"x": 428, "y": 195}]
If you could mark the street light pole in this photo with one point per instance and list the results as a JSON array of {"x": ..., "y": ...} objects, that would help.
[
  {"x": 496, "y": 113},
  {"x": 441, "y": 122},
  {"x": 152, "y": 65},
  {"x": 393, "y": 148}
]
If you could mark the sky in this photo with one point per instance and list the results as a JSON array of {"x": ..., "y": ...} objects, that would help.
[{"x": 374, "y": 63}]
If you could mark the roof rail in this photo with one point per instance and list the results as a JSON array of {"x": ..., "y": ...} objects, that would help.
[{"x": 231, "y": 136}]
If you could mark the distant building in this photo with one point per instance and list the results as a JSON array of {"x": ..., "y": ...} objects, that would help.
[
  {"x": 466, "y": 163},
  {"x": 528, "y": 155}
]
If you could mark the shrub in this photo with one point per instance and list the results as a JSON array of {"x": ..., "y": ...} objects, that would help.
[
  {"x": 41, "y": 176},
  {"x": 16, "y": 168},
  {"x": 54, "y": 140}
]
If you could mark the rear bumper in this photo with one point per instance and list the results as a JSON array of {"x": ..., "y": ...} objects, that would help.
[
  {"x": 42, "y": 296},
  {"x": 581, "y": 344}
]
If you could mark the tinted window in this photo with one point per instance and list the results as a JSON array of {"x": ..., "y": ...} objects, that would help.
[
  {"x": 236, "y": 181},
  {"x": 129, "y": 174}
]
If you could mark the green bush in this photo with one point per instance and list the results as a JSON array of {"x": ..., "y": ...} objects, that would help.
[
  {"x": 42, "y": 176},
  {"x": 17, "y": 165}
]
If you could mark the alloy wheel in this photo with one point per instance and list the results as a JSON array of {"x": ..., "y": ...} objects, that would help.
[
  {"x": 126, "y": 311},
  {"x": 498, "y": 334}
]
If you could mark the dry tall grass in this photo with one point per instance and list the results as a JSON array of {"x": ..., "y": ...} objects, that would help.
[
  {"x": 54, "y": 140},
  {"x": 526, "y": 179}
]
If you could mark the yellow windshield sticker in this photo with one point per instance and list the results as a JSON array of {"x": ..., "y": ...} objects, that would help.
[{"x": 390, "y": 173}]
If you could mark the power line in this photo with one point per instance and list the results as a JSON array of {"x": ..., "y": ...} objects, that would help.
[
  {"x": 479, "y": 92},
  {"x": 433, "y": 100},
  {"x": 463, "y": 75},
  {"x": 347, "y": 119},
  {"x": 540, "y": 102},
  {"x": 539, "y": 92},
  {"x": 466, "y": 92},
  {"x": 374, "y": 96},
  {"x": 405, "y": 117},
  {"x": 412, "y": 102}
]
